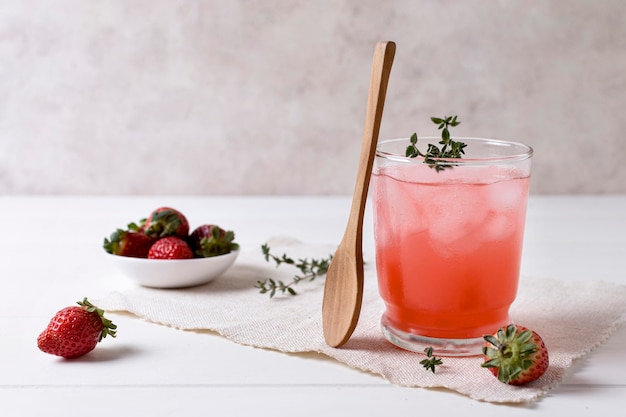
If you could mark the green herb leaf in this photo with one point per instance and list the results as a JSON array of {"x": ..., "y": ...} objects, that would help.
[
  {"x": 432, "y": 361},
  {"x": 310, "y": 269},
  {"x": 450, "y": 148}
]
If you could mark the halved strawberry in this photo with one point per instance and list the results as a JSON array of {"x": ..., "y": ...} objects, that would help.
[
  {"x": 170, "y": 247},
  {"x": 211, "y": 240},
  {"x": 516, "y": 355},
  {"x": 134, "y": 244},
  {"x": 166, "y": 221}
]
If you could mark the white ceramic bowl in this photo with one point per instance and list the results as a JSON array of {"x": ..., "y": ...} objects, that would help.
[{"x": 175, "y": 273}]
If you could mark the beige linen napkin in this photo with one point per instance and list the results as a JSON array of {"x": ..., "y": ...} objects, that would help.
[{"x": 572, "y": 318}]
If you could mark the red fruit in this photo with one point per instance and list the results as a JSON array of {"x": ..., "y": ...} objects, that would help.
[
  {"x": 170, "y": 247},
  {"x": 75, "y": 331},
  {"x": 515, "y": 355},
  {"x": 128, "y": 243},
  {"x": 202, "y": 231},
  {"x": 211, "y": 240},
  {"x": 166, "y": 221}
]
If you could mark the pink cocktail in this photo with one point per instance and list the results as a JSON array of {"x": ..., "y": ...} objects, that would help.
[{"x": 449, "y": 243}]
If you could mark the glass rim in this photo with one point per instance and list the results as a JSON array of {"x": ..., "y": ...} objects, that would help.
[{"x": 524, "y": 152}]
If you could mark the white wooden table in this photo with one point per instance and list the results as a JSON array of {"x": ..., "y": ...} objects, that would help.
[{"x": 51, "y": 256}]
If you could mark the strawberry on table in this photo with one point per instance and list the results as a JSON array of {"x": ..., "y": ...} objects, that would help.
[
  {"x": 134, "y": 244},
  {"x": 516, "y": 355},
  {"x": 211, "y": 240},
  {"x": 166, "y": 221},
  {"x": 170, "y": 247},
  {"x": 75, "y": 331}
]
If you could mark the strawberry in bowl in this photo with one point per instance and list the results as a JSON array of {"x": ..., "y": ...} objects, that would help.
[{"x": 161, "y": 253}]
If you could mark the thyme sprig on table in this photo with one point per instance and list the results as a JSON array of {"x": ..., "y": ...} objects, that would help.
[
  {"x": 432, "y": 361},
  {"x": 450, "y": 148},
  {"x": 309, "y": 268}
]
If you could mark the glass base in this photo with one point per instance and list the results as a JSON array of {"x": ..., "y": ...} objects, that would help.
[{"x": 441, "y": 347}]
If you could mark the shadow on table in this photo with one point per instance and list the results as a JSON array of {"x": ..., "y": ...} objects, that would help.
[{"x": 108, "y": 353}]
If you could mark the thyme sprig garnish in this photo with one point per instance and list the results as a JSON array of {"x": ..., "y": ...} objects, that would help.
[
  {"x": 432, "y": 361},
  {"x": 309, "y": 268},
  {"x": 450, "y": 148}
]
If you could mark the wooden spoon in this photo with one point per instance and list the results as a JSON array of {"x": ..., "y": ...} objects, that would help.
[{"x": 343, "y": 289}]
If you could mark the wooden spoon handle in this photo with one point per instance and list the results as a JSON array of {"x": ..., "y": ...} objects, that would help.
[{"x": 381, "y": 69}]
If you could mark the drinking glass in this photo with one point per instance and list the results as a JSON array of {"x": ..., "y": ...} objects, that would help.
[{"x": 449, "y": 242}]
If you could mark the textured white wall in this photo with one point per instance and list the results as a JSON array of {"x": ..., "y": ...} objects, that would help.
[{"x": 268, "y": 97}]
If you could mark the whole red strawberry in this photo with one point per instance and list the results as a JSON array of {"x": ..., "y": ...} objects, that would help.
[
  {"x": 516, "y": 355},
  {"x": 203, "y": 231},
  {"x": 166, "y": 221},
  {"x": 75, "y": 331},
  {"x": 170, "y": 247},
  {"x": 211, "y": 240},
  {"x": 134, "y": 244}
]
